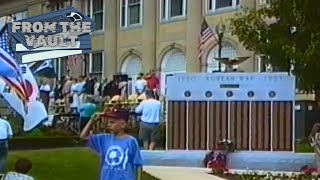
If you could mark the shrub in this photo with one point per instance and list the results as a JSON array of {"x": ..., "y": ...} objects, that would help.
[
  {"x": 303, "y": 146},
  {"x": 22, "y": 143}
]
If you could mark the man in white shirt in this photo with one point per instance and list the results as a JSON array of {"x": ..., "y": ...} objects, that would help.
[
  {"x": 5, "y": 134},
  {"x": 150, "y": 110}
]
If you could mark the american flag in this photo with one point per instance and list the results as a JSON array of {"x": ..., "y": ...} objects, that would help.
[
  {"x": 17, "y": 84},
  {"x": 207, "y": 36},
  {"x": 74, "y": 61}
]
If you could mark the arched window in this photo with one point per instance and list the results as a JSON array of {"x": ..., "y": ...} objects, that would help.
[
  {"x": 173, "y": 62},
  {"x": 228, "y": 50},
  {"x": 132, "y": 66}
]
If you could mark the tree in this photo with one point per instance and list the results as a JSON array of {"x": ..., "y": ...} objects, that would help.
[{"x": 287, "y": 32}]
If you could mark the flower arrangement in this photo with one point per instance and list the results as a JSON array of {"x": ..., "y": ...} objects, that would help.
[
  {"x": 216, "y": 160},
  {"x": 308, "y": 171}
]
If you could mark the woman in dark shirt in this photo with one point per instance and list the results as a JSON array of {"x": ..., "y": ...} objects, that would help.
[{"x": 58, "y": 90}]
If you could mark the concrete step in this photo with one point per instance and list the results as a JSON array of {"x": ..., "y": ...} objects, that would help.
[{"x": 179, "y": 173}]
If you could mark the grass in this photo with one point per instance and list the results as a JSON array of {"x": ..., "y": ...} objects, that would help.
[{"x": 76, "y": 163}]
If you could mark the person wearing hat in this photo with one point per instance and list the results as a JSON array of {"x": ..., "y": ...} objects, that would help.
[{"x": 119, "y": 152}]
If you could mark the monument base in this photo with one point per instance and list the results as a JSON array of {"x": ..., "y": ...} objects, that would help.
[{"x": 243, "y": 160}]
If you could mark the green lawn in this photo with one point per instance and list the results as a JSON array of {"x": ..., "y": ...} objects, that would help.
[{"x": 79, "y": 164}]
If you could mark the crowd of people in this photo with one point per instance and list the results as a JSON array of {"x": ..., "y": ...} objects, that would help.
[
  {"x": 82, "y": 95},
  {"x": 73, "y": 92}
]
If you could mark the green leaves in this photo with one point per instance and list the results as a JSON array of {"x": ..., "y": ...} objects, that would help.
[{"x": 284, "y": 31}]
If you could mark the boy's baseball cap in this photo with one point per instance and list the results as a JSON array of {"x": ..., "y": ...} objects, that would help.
[{"x": 118, "y": 114}]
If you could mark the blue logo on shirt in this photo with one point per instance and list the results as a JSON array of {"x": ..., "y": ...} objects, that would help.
[{"x": 116, "y": 157}]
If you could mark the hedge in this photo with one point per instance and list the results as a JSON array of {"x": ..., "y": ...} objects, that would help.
[{"x": 31, "y": 143}]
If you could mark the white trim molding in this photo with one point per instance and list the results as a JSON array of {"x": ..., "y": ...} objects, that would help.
[
  {"x": 166, "y": 11},
  {"x": 125, "y": 6},
  {"x": 89, "y": 11},
  {"x": 212, "y": 5}
]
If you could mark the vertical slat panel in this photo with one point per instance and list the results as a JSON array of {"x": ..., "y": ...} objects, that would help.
[
  {"x": 176, "y": 137},
  {"x": 266, "y": 126},
  {"x": 239, "y": 123},
  {"x": 212, "y": 124},
  {"x": 239, "y": 119},
  {"x": 181, "y": 129},
  {"x": 191, "y": 125},
  {"x": 260, "y": 130},
  {"x": 233, "y": 119},
  {"x": 176, "y": 124},
  {"x": 170, "y": 124},
  {"x": 196, "y": 128},
  {"x": 275, "y": 119},
  {"x": 245, "y": 126},
  {"x": 218, "y": 124},
  {"x": 254, "y": 125},
  {"x": 203, "y": 126},
  {"x": 281, "y": 126},
  {"x": 289, "y": 126},
  {"x": 224, "y": 120}
]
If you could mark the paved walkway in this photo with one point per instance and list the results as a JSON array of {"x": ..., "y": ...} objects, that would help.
[{"x": 179, "y": 173}]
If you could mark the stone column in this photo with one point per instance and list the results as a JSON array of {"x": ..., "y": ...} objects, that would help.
[
  {"x": 110, "y": 38},
  {"x": 194, "y": 18},
  {"x": 35, "y": 9},
  {"x": 149, "y": 35},
  {"x": 78, "y": 5}
]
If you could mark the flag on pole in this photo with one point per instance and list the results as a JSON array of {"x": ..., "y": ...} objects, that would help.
[
  {"x": 75, "y": 64},
  {"x": 46, "y": 64},
  {"x": 74, "y": 60},
  {"x": 13, "y": 77},
  {"x": 24, "y": 97},
  {"x": 31, "y": 84},
  {"x": 8, "y": 67},
  {"x": 46, "y": 69},
  {"x": 207, "y": 36}
]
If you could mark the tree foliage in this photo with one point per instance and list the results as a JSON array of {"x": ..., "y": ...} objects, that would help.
[{"x": 285, "y": 31}]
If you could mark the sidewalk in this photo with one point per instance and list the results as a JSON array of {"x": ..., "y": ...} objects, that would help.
[{"x": 179, "y": 173}]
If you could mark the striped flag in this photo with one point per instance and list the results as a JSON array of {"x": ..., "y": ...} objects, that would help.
[
  {"x": 75, "y": 64},
  {"x": 74, "y": 61},
  {"x": 16, "y": 82},
  {"x": 24, "y": 85},
  {"x": 207, "y": 36}
]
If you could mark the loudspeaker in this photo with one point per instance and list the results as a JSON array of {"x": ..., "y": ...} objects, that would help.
[{"x": 121, "y": 78}]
